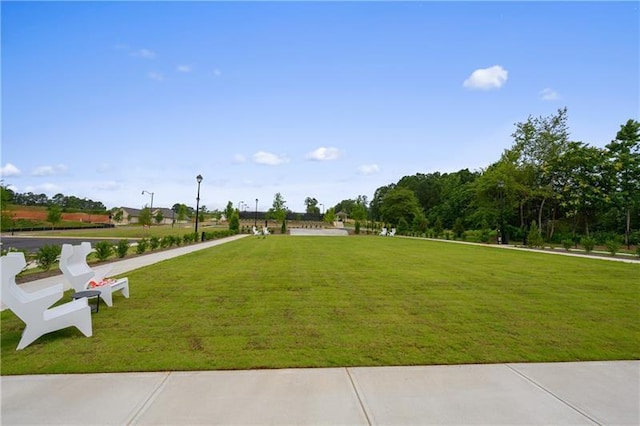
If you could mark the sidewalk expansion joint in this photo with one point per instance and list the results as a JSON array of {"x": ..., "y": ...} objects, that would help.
[
  {"x": 544, "y": 389},
  {"x": 145, "y": 405},
  {"x": 355, "y": 389}
]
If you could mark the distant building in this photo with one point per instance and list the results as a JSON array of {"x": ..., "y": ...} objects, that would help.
[{"x": 132, "y": 216}]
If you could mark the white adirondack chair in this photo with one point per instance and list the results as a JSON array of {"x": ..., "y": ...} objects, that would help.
[
  {"x": 34, "y": 308},
  {"x": 73, "y": 264},
  {"x": 383, "y": 232},
  {"x": 393, "y": 232},
  {"x": 256, "y": 232},
  {"x": 265, "y": 231}
]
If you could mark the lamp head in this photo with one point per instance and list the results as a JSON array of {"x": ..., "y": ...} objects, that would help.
[{"x": 199, "y": 178}]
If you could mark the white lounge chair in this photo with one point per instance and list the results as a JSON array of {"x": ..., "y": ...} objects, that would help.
[
  {"x": 392, "y": 233},
  {"x": 73, "y": 264},
  {"x": 34, "y": 308},
  {"x": 383, "y": 232},
  {"x": 265, "y": 231},
  {"x": 256, "y": 232}
]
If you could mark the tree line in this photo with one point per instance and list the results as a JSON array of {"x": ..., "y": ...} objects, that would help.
[{"x": 565, "y": 188}]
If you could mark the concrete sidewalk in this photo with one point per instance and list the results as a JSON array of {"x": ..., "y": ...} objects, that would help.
[{"x": 589, "y": 393}]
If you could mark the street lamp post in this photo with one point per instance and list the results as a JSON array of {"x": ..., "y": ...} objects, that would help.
[
  {"x": 255, "y": 222},
  {"x": 150, "y": 208},
  {"x": 503, "y": 235},
  {"x": 240, "y": 207},
  {"x": 198, "y": 179},
  {"x": 322, "y": 208}
]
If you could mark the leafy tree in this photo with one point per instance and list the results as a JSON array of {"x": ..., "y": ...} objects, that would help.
[
  {"x": 399, "y": 203},
  {"x": 158, "y": 217},
  {"x": 330, "y": 215},
  {"x": 182, "y": 212},
  {"x": 118, "y": 215},
  {"x": 278, "y": 209},
  {"x": 624, "y": 170},
  {"x": 228, "y": 211},
  {"x": 54, "y": 215},
  {"x": 579, "y": 181},
  {"x": 145, "y": 217},
  {"x": 359, "y": 209},
  {"x": 376, "y": 203},
  {"x": 312, "y": 205},
  {"x": 234, "y": 221}
]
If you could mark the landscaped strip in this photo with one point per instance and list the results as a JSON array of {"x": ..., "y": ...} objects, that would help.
[{"x": 284, "y": 302}]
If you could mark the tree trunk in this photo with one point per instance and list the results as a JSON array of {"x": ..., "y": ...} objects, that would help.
[
  {"x": 540, "y": 216},
  {"x": 628, "y": 229},
  {"x": 553, "y": 223}
]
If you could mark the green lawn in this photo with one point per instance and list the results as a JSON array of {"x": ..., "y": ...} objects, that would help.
[{"x": 349, "y": 301}]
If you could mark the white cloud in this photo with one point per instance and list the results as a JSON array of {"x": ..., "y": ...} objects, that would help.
[
  {"x": 157, "y": 76},
  {"x": 269, "y": 159},
  {"x": 324, "y": 154},
  {"x": 49, "y": 188},
  {"x": 239, "y": 159},
  {"x": 49, "y": 170},
  {"x": 184, "y": 68},
  {"x": 548, "y": 94},
  {"x": 368, "y": 169},
  {"x": 487, "y": 78},
  {"x": 144, "y": 53},
  {"x": 9, "y": 170}
]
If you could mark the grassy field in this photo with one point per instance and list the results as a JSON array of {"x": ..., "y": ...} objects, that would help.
[{"x": 357, "y": 301}]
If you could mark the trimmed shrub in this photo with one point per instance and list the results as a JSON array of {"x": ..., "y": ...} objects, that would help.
[
  {"x": 567, "y": 244},
  {"x": 122, "y": 248},
  {"x": 613, "y": 246},
  {"x": 588, "y": 243},
  {"x": 47, "y": 256},
  {"x": 103, "y": 250},
  {"x": 154, "y": 243},
  {"x": 142, "y": 246}
]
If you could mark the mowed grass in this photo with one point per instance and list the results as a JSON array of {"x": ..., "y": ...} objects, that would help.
[{"x": 348, "y": 301}]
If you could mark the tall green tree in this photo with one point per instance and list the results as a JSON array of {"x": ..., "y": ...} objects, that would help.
[
  {"x": 54, "y": 215},
  {"x": 145, "y": 217},
  {"x": 580, "y": 183},
  {"x": 624, "y": 171},
  {"x": 278, "y": 209},
  {"x": 312, "y": 205},
  {"x": 538, "y": 144},
  {"x": 400, "y": 203}
]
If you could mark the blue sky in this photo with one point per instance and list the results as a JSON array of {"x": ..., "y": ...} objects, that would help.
[{"x": 329, "y": 100}]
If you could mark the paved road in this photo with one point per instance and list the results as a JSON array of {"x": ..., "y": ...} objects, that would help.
[{"x": 32, "y": 244}]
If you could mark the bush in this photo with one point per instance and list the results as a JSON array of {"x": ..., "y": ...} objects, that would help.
[
  {"x": 638, "y": 251},
  {"x": 167, "y": 241},
  {"x": 534, "y": 239},
  {"x": 283, "y": 228},
  {"x": 613, "y": 246},
  {"x": 142, "y": 246},
  {"x": 47, "y": 256},
  {"x": 357, "y": 227},
  {"x": 588, "y": 244},
  {"x": 567, "y": 244},
  {"x": 122, "y": 248},
  {"x": 154, "y": 243},
  {"x": 103, "y": 250}
]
